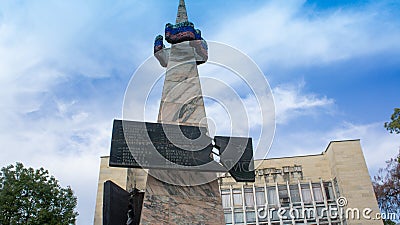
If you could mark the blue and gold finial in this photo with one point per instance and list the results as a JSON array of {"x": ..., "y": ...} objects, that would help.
[{"x": 182, "y": 31}]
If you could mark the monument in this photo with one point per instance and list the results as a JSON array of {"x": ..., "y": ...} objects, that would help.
[
  {"x": 179, "y": 156},
  {"x": 181, "y": 103},
  {"x": 182, "y": 186}
]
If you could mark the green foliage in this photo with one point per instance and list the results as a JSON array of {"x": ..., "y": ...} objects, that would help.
[
  {"x": 388, "y": 222},
  {"x": 394, "y": 125},
  {"x": 33, "y": 197}
]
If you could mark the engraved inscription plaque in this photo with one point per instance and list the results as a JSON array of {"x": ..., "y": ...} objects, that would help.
[{"x": 163, "y": 146}]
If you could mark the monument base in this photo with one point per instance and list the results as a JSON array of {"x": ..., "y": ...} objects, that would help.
[{"x": 173, "y": 204}]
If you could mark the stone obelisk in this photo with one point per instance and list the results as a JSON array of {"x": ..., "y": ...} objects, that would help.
[{"x": 173, "y": 196}]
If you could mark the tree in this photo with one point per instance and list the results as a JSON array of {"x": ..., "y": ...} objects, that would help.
[
  {"x": 387, "y": 182},
  {"x": 394, "y": 125},
  {"x": 389, "y": 222},
  {"x": 387, "y": 187},
  {"x": 33, "y": 197}
]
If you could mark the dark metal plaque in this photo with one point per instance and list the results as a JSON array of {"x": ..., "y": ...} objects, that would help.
[
  {"x": 163, "y": 146},
  {"x": 236, "y": 153},
  {"x": 115, "y": 204}
]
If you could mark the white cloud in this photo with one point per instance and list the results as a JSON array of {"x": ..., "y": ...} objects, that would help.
[
  {"x": 46, "y": 49},
  {"x": 242, "y": 116},
  {"x": 286, "y": 34},
  {"x": 291, "y": 102},
  {"x": 377, "y": 144},
  {"x": 67, "y": 141}
]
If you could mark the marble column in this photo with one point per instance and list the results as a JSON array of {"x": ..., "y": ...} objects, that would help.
[{"x": 182, "y": 197}]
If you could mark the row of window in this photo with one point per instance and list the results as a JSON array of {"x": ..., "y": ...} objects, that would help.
[
  {"x": 243, "y": 205},
  {"x": 249, "y": 217},
  {"x": 278, "y": 195}
]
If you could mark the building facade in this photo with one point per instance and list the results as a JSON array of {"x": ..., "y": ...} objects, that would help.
[{"x": 333, "y": 187}]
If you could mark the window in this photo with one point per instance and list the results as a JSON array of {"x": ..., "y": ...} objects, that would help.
[
  {"x": 283, "y": 195},
  {"x": 306, "y": 193},
  {"x": 329, "y": 191},
  {"x": 228, "y": 217},
  {"x": 274, "y": 216},
  {"x": 272, "y": 198},
  {"x": 294, "y": 193},
  {"x": 239, "y": 218},
  {"x": 260, "y": 196},
  {"x": 226, "y": 200},
  {"x": 249, "y": 197},
  {"x": 237, "y": 197},
  {"x": 251, "y": 217},
  {"x": 318, "y": 196}
]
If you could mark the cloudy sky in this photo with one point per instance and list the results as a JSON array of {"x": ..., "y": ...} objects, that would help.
[{"x": 334, "y": 70}]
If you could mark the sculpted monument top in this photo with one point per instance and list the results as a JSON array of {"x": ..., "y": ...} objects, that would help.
[{"x": 180, "y": 140}]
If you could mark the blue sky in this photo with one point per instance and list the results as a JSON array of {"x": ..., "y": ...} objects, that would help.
[{"x": 333, "y": 67}]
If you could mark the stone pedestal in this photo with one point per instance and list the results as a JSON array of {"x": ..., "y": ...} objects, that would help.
[{"x": 171, "y": 204}]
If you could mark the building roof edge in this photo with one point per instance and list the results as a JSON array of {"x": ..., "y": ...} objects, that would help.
[{"x": 308, "y": 155}]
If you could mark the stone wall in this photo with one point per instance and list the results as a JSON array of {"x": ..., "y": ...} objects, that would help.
[
  {"x": 348, "y": 166},
  {"x": 117, "y": 175}
]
